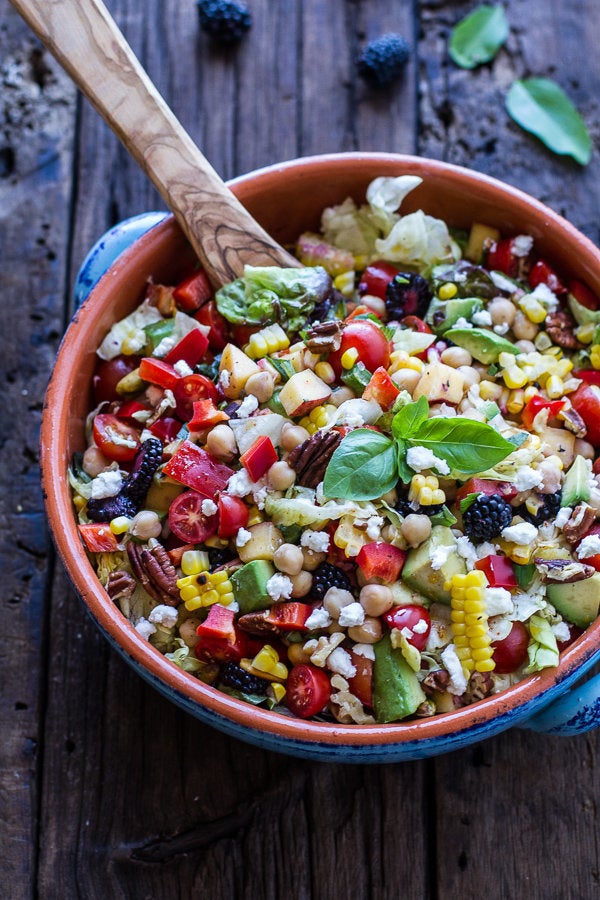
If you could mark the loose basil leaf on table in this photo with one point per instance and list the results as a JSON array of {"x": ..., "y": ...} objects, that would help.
[
  {"x": 540, "y": 106},
  {"x": 362, "y": 467},
  {"x": 478, "y": 37}
]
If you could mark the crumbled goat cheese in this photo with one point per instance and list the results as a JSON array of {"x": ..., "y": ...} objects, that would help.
[
  {"x": 240, "y": 484},
  {"x": 374, "y": 524},
  {"x": 146, "y": 435},
  {"x": 406, "y": 632},
  {"x": 106, "y": 484},
  {"x": 247, "y": 406},
  {"x": 420, "y": 627},
  {"x": 165, "y": 346},
  {"x": 522, "y": 533},
  {"x": 319, "y": 618},
  {"x": 545, "y": 296},
  {"x": 234, "y": 606},
  {"x": 562, "y": 517},
  {"x": 502, "y": 328},
  {"x": 498, "y": 601},
  {"x": 209, "y": 507},
  {"x": 182, "y": 368},
  {"x": 279, "y": 587},
  {"x": 419, "y": 458},
  {"x": 486, "y": 549},
  {"x": 315, "y": 540},
  {"x": 242, "y": 538},
  {"x": 467, "y": 550},
  {"x": 351, "y": 615},
  {"x": 502, "y": 282},
  {"x": 589, "y": 546},
  {"x": 225, "y": 378},
  {"x": 521, "y": 245},
  {"x": 445, "y": 410},
  {"x": 439, "y": 556},
  {"x": 145, "y": 628},
  {"x": 499, "y": 627},
  {"x": 340, "y": 661},
  {"x": 561, "y": 631},
  {"x": 527, "y": 478},
  {"x": 458, "y": 682},
  {"x": 481, "y": 318},
  {"x": 365, "y": 650},
  {"x": 351, "y": 418},
  {"x": 163, "y": 615},
  {"x": 463, "y": 323}
]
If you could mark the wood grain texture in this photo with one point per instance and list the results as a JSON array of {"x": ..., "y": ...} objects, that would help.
[{"x": 107, "y": 790}]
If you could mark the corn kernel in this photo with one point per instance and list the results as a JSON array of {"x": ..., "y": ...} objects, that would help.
[
  {"x": 469, "y": 621},
  {"x": 489, "y": 390},
  {"x": 514, "y": 378},
  {"x": 120, "y": 525},
  {"x": 542, "y": 341},
  {"x": 325, "y": 372},
  {"x": 447, "y": 291},
  {"x": 194, "y": 561},
  {"x": 349, "y": 358},
  {"x": 268, "y": 340},
  {"x": 585, "y": 333},
  {"x": 205, "y": 588},
  {"x": 344, "y": 283},
  {"x": 529, "y": 392},
  {"x": 487, "y": 665},
  {"x": 595, "y": 356},
  {"x": 255, "y": 516},
  {"x": 555, "y": 387},
  {"x": 310, "y": 426},
  {"x": 533, "y": 309},
  {"x": 516, "y": 401},
  {"x": 79, "y": 502}
]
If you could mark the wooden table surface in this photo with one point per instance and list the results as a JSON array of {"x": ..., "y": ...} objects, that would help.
[{"x": 106, "y": 790}]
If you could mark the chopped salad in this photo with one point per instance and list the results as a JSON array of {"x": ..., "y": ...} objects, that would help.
[{"x": 360, "y": 490}]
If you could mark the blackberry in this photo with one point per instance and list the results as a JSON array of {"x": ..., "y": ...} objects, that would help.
[
  {"x": 407, "y": 508},
  {"x": 327, "y": 576},
  {"x": 226, "y": 21},
  {"x": 383, "y": 60},
  {"x": 486, "y": 518},
  {"x": 407, "y": 294},
  {"x": 132, "y": 495},
  {"x": 545, "y": 513},
  {"x": 234, "y": 676},
  {"x": 218, "y": 556}
]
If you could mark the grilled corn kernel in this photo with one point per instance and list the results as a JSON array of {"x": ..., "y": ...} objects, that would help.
[
  {"x": 533, "y": 309},
  {"x": 194, "y": 561},
  {"x": 447, "y": 291},
  {"x": 344, "y": 283},
  {"x": 349, "y": 358},
  {"x": 489, "y": 390},
  {"x": 325, "y": 372},
  {"x": 349, "y": 538},
  {"x": 542, "y": 341},
  {"x": 204, "y": 589},
  {"x": 595, "y": 356},
  {"x": 585, "y": 333},
  {"x": 120, "y": 525},
  {"x": 514, "y": 378},
  {"x": 529, "y": 392},
  {"x": 469, "y": 621},
  {"x": 555, "y": 387},
  {"x": 400, "y": 359},
  {"x": 255, "y": 516},
  {"x": 425, "y": 489},
  {"x": 516, "y": 401},
  {"x": 268, "y": 340}
]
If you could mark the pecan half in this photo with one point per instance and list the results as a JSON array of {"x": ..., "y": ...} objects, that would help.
[
  {"x": 120, "y": 584},
  {"x": 582, "y": 519},
  {"x": 325, "y": 337},
  {"x": 425, "y": 709},
  {"x": 435, "y": 681},
  {"x": 481, "y": 684},
  {"x": 561, "y": 326},
  {"x": 310, "y": 459},
  {"x": 573, "y": 422},
  {"x": 258, "y": 623},
  {"x": 563, "y": 571},
  {"x": 153, "y": 568}
]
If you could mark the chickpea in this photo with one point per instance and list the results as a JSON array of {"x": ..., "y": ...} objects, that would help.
[
  {"x": 525, "y": 346},
  {"x": 470, "y": 374},
  {"x": 335, "y": 600},
  {"x": 523, "y": 329},
  {"x": 312, "y": 559},
  {"x": 145, "y": 525},
  {"x": 301, "y": 584},
  {"x": 293, "y": 435},
  {"x": 456, "y": 357},
  {"x": 289, "y": 559},
  {"x": 416, "y": 529},
  {"x": 297, "y": 655},
  {"x": 281, "y": 476},
  {"x": 375, "y": 304},
  {"x": 94, "y": 461},
  {"x": 221, "y": 443},
  {"x": 502, "y": 310},
  {"x": 340, "y": 396},
  {"x": 261, "y": 386},
  {"x": 376, "y": 599},
  {"x": 584, "y": 448},
  {"x": 406, "y": 379},
  {"x": 187, "y": 631},
  {"x": 368, "y": 633}
]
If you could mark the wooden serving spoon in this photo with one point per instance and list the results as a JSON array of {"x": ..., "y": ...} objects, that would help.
[{"x": 86, "y": 41}]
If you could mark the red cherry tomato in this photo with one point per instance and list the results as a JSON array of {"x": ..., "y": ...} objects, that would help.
[
  {"x": 361, "y": 684},
  {"x": 307, "y": 691},
  {"x": 191, "y": 388},
  {"x": 542, "y": 273},
  {"x": 584, "y": 295},
  {"x": 117, "y": 438},
  {"x": 166, "y": 429},
  {"x": 210, "y": 315},
  {"x": 366, "y": 337},
  {"x": 108, "y": 374},
  {"x": 416, "y": 324},
  {"x": 482, "y": 486},
  {"x": 233, "y": 515},
  {"x": 586, "y": 401},
  {"x": 188, "y": 522},
  {"x": 408, "y": 617},
  {"x": 595, "y": 559},
  {"x": 376, "y": 278},
  {"x": 511, "y": 652},
  {"x": 574, "y": 632},
  {"x": 193, "y": 466}
]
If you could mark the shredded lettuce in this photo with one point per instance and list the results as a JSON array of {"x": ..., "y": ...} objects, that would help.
[
  {"x": 132, "y": 328},
  {"x": 110, "y": 562},
  {"x": 418, "y": 240},
  {"x": 542, "y": 650},
  {"x": 350, "y": 227}
]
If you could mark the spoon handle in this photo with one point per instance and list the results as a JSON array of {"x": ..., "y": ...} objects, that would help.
[{"x": 86, "y": 41}]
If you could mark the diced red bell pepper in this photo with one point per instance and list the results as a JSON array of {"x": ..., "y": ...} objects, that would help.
[
  {"x": 196, "y": 468},
  {"x": 381, "y": 388},
  {"x": 192, "y": 292},
  {"x": 381, "y": 560},
  {"x": 289, "y": 616},
  {"x": 505, "y": 489},
  {"x": 501, "y": 258},
  {"x": 590, "y": 376},
  {"x": 219, "y": 329},
  {"x": 259, "y": 458},
  {"x": 175, "y": 553},
  {"x": 233, "y": 515},
  {"x": 376, "y": 278},
  {"x": 156, "y": 371},
  {"x": 542, "y": 273},
  {"x": 498, "y": 571},
  {"x": 584, "y": 295},
  {"x": 190, "y": 349},
  {"x": 165, "y": 429},
  {"x": 535, "y": 405},
  {"x": 128, "y": 408},
  {"x": 205, "y": 415},
  {"x": 98, "y": 538},
  {"x": 219, "y": 637}
]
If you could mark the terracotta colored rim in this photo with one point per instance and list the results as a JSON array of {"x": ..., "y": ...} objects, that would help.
[{"x": 56, "y": 424}]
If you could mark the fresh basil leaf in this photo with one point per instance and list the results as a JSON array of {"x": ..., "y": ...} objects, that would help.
[
  {"x": 283, "y": 366},
  {"x": 408, "y": 419},
  {"x": 468, "y": 501},
  {"x": 478, "y": 37},
  {"x": 517, "y": 439},
  {"x": 540, "y": 106},
  {"x": 467, "y": 446},
  {"x": 405, "y": 473},
  {"x": 444, "y": 517},
  {"x": 363, "y": 467}
]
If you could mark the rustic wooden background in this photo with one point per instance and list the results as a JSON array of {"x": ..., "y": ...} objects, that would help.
[{"x": 106, "y": 790}]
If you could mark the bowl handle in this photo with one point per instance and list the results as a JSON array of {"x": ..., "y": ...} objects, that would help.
[
  {"x": 108, "y": 247},
  {"x": 576, "y": 711}
]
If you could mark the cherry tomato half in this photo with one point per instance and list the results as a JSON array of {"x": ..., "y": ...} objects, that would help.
[
  {"x": 108, "y": 374},
  {"x": 366, "y": 337},
  {"x": 188, "y": 522},
  {"x": 586, "y": 401},
  {"x": 307, "y": 691},
  {"x": 117, "y": 438},
  {"x": 191, "y": 388},
  {"x": 376, "y": 277},
  {"x": 233, "y": 515},
  {"x": 411, "y": 617},
  {"x": 511, "y": 652},
  {"x": 361, "y": 684},
  {"x": 210, "y": 315}
]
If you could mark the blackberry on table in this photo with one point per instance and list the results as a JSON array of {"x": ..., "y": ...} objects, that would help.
[
  {"x": 234, "y": 676},
  {"x": 327, "y": 576},
  {"x": 407, "y": 294},
  {"x": 132, "y": 495},
  {"x": 486, "y": 518},
  {"x": 545, "y": 513},
  {"x": 383, "y": 60},
  {"x": 224, "y": 20}
]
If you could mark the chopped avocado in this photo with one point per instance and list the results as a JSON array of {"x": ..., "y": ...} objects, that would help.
[
  {"x": 396, "y": 689},
  {"x": 404, "y": 596},
  {"x": 357, "y": 378},
  {"x": 581, "y": 314},
  {"x": 163, "y": 491},
  {"x": 157, "y": 332},
  {"x": 250, "y": 585},
  {"x": 418, "y": 571},
  {"x": 576, "y": 486},
  {"x": 483, "y": 345},
  {"x": 443, "y": 314},
  {"x": 578, "y": 602}
]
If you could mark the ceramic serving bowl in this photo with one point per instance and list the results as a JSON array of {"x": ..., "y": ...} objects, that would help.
[{"x": 288, "y": 199}]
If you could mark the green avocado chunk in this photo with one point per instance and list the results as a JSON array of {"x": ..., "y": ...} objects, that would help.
[
  {"x": 578, "y": 602},
  {"x": 396, "y": 689},
  {"x": 483, "y": 345},
  {"x": 443, "y": 314},
  {"x": 250, "y": 585},
  {"x": 576, "y": 486},
  {"x": 419, "y": 573}
]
